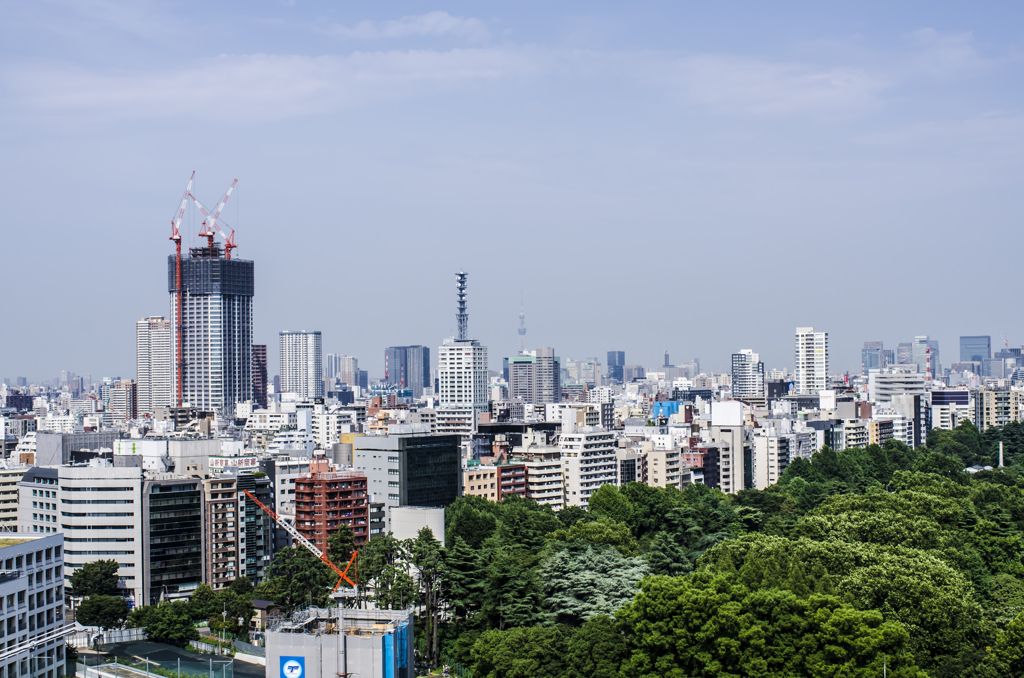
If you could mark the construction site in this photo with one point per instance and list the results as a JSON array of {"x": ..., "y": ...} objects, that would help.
[{"x": 338, "y": 641}]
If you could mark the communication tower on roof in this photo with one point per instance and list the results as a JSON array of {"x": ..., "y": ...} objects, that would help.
[
  {"x": 462, "y": 317},
  {"x": 522, "y": 328}
]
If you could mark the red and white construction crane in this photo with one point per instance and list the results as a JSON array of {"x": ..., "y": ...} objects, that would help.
[
  {"x": 311, "y": 547},
  {"x": 211, "y": 221},
  {"x": 176, "y": 237}
]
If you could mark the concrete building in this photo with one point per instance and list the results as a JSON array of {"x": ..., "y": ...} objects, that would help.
[
  {"x": 480, "y": 480},
  {"x": 220, "y": 531},
  {"x": 301, "y": 363},
  {"x": 9, "y": 479},
  {"x": 32, "y": 606},
  {"x": 462, "y": 385},
  {"x": 535, "y": 378},
  {"x": 616, "y": 361},
  {"x": 340, "y": 368},
  {"x": 216, "y": 308},
  {"x": 810, "y": 374},
  {"x": 997, "y": 407},
  {"x": 99, "y": 512},
  {"x": 408, "y": 367},
  {"x": 772, "y": 453},
  {"x": 872, "y": 357},
  {"x": 325, "y": 500},
  {"x": 259, "y": 374},
  {"x": 153, "y": 364},
  {"x": 410, "y": 469},
  {"x": 173, "y": 548},
  {"x": 747, "y": 375},
  {"x": 588, "y": 462},
  {"x": 882, "y": 386}
]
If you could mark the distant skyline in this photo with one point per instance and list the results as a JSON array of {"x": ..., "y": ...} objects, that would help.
[{"x": 655, "y": 176}]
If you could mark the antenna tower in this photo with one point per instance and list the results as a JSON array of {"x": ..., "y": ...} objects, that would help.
[
  {"x": 462, "y": 317},
  {"x": 522, "y": 328}
]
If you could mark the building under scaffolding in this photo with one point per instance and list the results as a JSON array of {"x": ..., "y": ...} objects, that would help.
[{"x": 375, "y": 644}]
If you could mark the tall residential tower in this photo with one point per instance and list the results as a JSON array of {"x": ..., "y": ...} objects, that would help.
[
  {"x": 811, "y": 361},
  {"x": 301, "y": 364},
  {"x": 153, "y": 364}
]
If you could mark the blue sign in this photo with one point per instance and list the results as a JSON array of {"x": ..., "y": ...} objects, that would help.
[{"x": 293, "y": 667}]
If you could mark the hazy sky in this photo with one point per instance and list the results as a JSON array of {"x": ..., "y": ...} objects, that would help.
[{"x": 697, "y": 177}]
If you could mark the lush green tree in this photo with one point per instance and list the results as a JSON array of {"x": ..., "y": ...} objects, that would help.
[
  {"x": 608, "y": 502},
  {"x": 203, "y": 602},
  {"x": 521, "y": 652},
  {"x": 341, "y": 544},
  {"x": 472, "y": 518},
  {"x": 107, "y": 612},
  {"x": 383, "y": 565},
  {"x": 513, "y": 595},
  {"x": 1008, "y": 650},
  {"x": 237, "y": 607},
  {"x": 98, "y": 578},
  {"x": 571, "y": 515},
  {"x": 466, "y": 578},
  {"x": 428, "y": 558},
  {"x": 582, "y": 581},
  {"x": 710, "y": 625},
  {"x": 602, "y": 531},
  {"x": 596, "y": 650},
  {"x": 243, "y": 587},
  {"x": 167, "y": 622},
  {"x": 941, "y": 464},
  {"x": 524, "y": 522},
  {"x": 299, "y": 579}
]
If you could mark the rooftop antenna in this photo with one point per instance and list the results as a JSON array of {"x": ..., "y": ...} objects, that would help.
[
  {"x": 522, "y": 326},
  {"x": 462, "y": 317}
]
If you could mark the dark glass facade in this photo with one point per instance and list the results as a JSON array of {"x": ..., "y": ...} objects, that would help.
[
  {"x": 616, "y": 359},
  {"x": 430, "y": 470},
  {"x": 259, "y": 527},
  {"x": 175, "y": 515},
  {"x": 975, "y": 349}
]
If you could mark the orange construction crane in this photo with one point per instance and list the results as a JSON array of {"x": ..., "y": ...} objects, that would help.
[{"x": 311, "y": 547}]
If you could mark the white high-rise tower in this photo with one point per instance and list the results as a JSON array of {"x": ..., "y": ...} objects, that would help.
[
  {"x": 461, "y": 374},
  {"x": 301, "y": 364},
  {"x": 811, "y": 361},
  {"x": 747, "y": 375},
  {"x": 153, "y": 364}
]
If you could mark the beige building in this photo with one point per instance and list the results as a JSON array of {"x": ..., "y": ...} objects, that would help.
[
  {"x": 9, "y": 479},
  {"x": 480, "y": 481},
  {"x": 996, "y": 408}
]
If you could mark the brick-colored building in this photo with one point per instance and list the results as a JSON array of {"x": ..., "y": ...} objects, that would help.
[
  {"x": 325, "y": 500},
  {"x": 221, "y": 523}
]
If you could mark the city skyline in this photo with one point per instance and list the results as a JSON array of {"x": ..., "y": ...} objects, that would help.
[{"x": 842, "y": 140}]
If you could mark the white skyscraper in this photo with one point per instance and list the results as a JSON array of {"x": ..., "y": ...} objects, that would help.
[
  {"x": 810, "y": 375},
  {"x": 344, "y": 368},
  {"x": 301, "y": 364},
  {"x": 461, "y": 374},
  {"x": 153, "y": 364},
  {"x": 747, "y": 375}
]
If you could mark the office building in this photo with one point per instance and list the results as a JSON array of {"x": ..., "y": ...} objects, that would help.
[
  {"x": 220, "y": 527},
  {"x": 301, "y": 367},
  {"x": 535, "y": 378},
  {"x": 975, "y": 349},
  {"x": 9, "y": 479},
  {"x": 747, "y": 375},
  {"x": 410, "y": 469},
  {"x": 121, "y": 401},
  {"x": 32, "y": 588},
  {"x": 461, "y": 373},
  {"x": 257, "y": 542},
  {"x": 172, "y": 545},
  {"x": 904, "y": 353},
  {"x": 811, "y": 361},
  {"x": 152, "y": 364},
  {"x": 408, "y": 367},
  {"x": 341, "y": 368},
  {"x": 871, "y": 357},
  {"x": 926, "y": 356},
  {"x": 616, "y": 361},
  {"x": 259, "y": 374},
  {"x": 216, "y": 333}
]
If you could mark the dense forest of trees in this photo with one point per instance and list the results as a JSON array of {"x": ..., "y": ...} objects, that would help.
[{"x": 855, "y": 559}]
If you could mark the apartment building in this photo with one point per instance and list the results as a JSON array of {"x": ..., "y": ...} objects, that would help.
[
  {"x": 325, "y": 500},
  {"x": 588, "y": 462}
]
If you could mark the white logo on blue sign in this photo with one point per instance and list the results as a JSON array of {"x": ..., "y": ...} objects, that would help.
[{"x": 293, "y": 667}]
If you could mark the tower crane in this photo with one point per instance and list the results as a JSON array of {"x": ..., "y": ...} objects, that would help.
[
  {"x": 176, "y": 237},
  {"x": 310, "y": 546},
  {"x": 211, "y": 221}
]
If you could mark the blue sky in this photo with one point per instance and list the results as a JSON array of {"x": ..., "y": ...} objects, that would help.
[{"x": 647, "y": 176}]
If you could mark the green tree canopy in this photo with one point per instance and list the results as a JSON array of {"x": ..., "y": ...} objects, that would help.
[
  {"x": 167, "y": 622},
  {"x": 107, "y": 612},
  {"x": 582, "y": 581},
  {"x": 98, "y": 578}
]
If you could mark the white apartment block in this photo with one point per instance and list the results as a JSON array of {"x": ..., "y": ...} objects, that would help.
[
  {"x": 96, "y": 509},
  {"x": 811, "y": 361},
  {"x": 153, "y": 364},
  {"x": 747, "y": 375},
  {"x": 897, "y": 380},
  {"x": 9, "y": 479},
  {"x": 302, "y": 364},
  {"x": 588, "y": 462},
  {"x": 32, "y": 606},
  {"x": 545, "y": 483}
]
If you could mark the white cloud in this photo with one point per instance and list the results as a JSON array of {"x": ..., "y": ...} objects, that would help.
[
  {"x": 945, "y": 55},
  {"x": 431, "y": 24},
  {"x": 755, "y": 87},
  {"x": 259, "y": 87}
]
